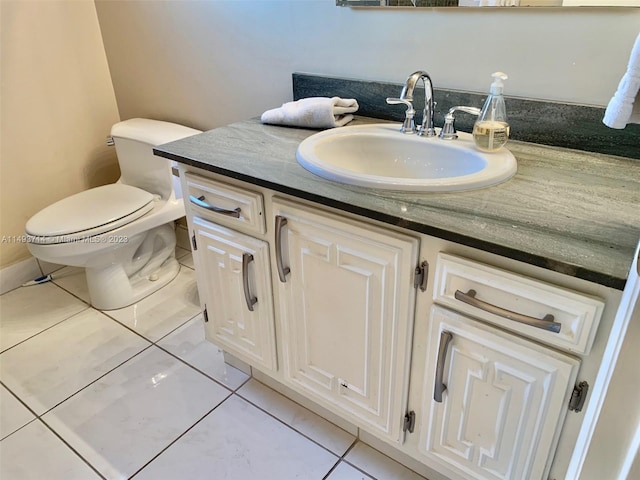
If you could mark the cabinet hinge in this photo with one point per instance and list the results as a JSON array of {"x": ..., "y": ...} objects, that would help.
[
  {"x": 409, "y": 422},
  {"x": 193, "y": 242},
  {"x": 421, "y": 276},
  {"x": 205, "y": 314},
  {"x": 578, "y": 397}
]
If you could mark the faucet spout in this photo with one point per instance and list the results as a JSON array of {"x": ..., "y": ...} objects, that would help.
[{"x": 427, "y": 127}]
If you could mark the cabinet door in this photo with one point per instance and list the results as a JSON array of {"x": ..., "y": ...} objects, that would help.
[
  {"x": 347, "y": 314},
  {"x": 234, "y": 281},
  {"x": 504, "y": 403}
]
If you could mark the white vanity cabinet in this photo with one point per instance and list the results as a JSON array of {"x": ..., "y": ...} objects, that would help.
[
  {"x": 232, "y": 269},
  {"x": 468, "y": 370},
  {"x": 493, "y": 403},
  {"x": 346, "y": 305}
]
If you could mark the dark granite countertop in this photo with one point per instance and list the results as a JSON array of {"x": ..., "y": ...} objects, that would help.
[{"x": 565, "y": 210}]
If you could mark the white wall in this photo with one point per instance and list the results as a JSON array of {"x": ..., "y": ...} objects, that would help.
[
  {"x": 208, "y": 63},
  {"x": 57, "y": 107}
]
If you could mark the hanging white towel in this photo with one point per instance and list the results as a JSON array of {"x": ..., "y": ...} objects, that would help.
[
  {"x": 624, "y": 107},
  {"x": 313, "y": 112}
]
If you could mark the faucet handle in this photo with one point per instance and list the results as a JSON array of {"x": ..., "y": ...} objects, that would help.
[
  {"x": 409, "y": 125},
  {"x": 448, "y": 131}
]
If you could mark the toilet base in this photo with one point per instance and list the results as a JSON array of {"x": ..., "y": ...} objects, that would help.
[
  {"x": 111, "y": 289},
  {"x": 144, "y": 264}
]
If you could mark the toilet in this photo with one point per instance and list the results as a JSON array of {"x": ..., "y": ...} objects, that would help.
[{"x": 123, "y": 234}]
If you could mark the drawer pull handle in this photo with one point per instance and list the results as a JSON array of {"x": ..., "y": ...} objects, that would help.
[
  {"x": 247, "y": 258},
  {"x": 283, "y": 271},
  {"x": 546, "y": 323},
  {"x": 199, "y": 201},
  {"x": 439, "y": 387}
]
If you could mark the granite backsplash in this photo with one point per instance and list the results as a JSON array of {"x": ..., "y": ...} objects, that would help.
[{"x": 548, "y": 123}]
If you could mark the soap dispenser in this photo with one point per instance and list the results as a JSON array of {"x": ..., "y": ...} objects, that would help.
[{"x": 491, "y": 130}]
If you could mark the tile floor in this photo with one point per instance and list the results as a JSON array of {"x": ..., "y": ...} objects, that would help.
[{"x": 137, "y": 392}]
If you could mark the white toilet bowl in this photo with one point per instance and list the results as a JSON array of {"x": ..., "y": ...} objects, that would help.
[{"x": 122, "y": 234}]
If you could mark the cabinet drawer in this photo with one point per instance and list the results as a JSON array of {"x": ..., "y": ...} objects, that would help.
[
  {"x": 535, "y": 309},
  {"x": 225, "y": 204}
]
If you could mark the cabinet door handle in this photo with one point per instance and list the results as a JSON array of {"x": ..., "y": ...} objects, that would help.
[
  {"x": 247, "y": 258},
  {"x": 439, "y": 387},
  {"x": 546, "y": 323},
  {"x": 199, "y": 201},
  {"x": 283, "y": 271}
]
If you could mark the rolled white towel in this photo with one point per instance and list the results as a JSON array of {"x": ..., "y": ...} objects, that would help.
[
  {"x": 621, "y": 109},
  {"x": 313, "y": 112}
]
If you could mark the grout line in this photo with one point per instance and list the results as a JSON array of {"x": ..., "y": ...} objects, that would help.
[
  {"x": 35, "y": 415},
  {"x": 94, "y": 381},
  {"x": 176, "y": 328},
  {"x": 343, "y": 459},
  {"x": 231, "y": 390},
  {"x": 47, "y": 328},
  {"x": 239, "y": 394},
  {"x": 71, "y": 448},
  {"x": 156, "y": 343},
  {"x": 384, "y": 455},
  {"x": 38, "y": 418},
  {"x": 335, "y": 465},
  {"x": 153, "y": 342},
  {"x": 180, "y": 436}
]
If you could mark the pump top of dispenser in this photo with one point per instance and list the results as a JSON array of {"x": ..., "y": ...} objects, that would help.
[{"x": 498, "y": 85}]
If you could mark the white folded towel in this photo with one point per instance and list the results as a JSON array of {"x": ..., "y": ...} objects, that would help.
[
  {"x": 621, "y": 109},
  {"x": 313, "y": 112}
]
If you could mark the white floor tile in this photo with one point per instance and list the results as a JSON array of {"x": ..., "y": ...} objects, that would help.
[
  {"x": 50, "y": 367},
  {"x": 27, "y": 311},
  {"x": 168, "y": 308},
  {"x": 35, "y": 453},
  {"x": 299, "y": 418},
  {"x": 73, "y": 280},
  {"x": 345, "y": 471},
  {"x": 237, "y": 442},
  {"x": 378, "y": 465},
  {"x": 13, "y": 414},
  {"x": 123, "y": 420},
  {"x": 188, "y": 343}
]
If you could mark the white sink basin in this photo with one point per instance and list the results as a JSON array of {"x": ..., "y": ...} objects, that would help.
[{"x": 380, "y": 156}]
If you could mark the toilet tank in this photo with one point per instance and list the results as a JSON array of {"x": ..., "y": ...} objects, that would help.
[{"x": 134, "y": 140}]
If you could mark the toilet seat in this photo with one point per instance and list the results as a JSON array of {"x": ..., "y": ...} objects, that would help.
[{"x": 89, "y": 213}]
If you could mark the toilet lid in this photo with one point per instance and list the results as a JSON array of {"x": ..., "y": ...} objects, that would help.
[{"x": 89, "y": 213}]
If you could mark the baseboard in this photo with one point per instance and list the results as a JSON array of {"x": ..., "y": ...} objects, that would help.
[
  {"x": 13, "y": 276},
  {"x": 236, "y": 363}
]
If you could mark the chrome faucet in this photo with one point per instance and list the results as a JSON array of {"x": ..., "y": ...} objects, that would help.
[{"x": 427, "y": 114}]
